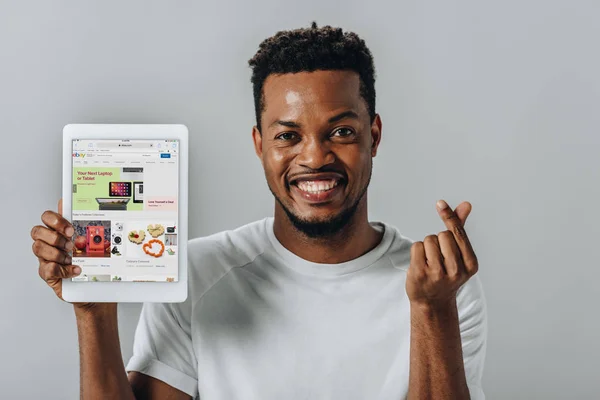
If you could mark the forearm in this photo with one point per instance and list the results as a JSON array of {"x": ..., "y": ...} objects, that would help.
[
  {"x": 102, "y": 373},
  {"x": 436, "y": 362}
]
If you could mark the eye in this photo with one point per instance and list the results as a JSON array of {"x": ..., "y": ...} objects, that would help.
[
  {"x": 286, "y": 136},
  {"x": 343, "y": 132}
]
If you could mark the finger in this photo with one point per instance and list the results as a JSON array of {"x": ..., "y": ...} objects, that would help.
[
  {"x": 454, "y": 225},
  {"x": 433, "y": 254},
  {"x": 51, "y": 237},
  {"x": 60, "y": 207},
  {"x": 417, "y": 255},
  {"x": 451, "y": 253},
  {"x": 448, "y": 216},
  {"x": 58, "y": 223},
  {"x": 417, "y": 261},
  {"x": 462, "y": 211},
  {"x": 49, "y": 253},
  {"x": 50, "y": 271}
]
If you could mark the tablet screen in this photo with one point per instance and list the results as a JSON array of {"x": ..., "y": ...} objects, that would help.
[{"x": 125, "y": 210}]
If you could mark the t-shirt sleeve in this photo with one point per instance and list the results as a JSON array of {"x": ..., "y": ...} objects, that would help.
[
  {"x": 472, "y": 314},
  {"x": 162, "y": 347}
]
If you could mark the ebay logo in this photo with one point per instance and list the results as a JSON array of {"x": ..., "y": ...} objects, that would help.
[{"x": 79, "y": 155}]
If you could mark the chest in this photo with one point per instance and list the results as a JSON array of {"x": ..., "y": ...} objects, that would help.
[{"x": 331, "y": 339}]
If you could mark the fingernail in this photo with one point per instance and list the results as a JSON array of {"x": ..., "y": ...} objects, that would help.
[
  {"x": 442, "y": 204},
  {"x": 69, "y": 231},
  {"x": 76, "y": 271},
  {"x": 69, "y": 246},
  {"x": 68, "y": 260}
]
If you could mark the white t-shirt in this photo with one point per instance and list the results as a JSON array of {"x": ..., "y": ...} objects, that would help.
[{"x": 261, "y": 323}]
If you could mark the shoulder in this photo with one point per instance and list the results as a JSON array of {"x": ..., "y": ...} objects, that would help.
[
  {"x": 212, "y": 257},
  {"x": 399, "y": 249}
]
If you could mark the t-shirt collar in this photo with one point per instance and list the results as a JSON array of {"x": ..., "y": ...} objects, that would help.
[{"x": 303, "y": 266}]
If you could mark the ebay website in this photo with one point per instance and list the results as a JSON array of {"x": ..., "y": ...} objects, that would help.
[{"x": 125, "y": 210}]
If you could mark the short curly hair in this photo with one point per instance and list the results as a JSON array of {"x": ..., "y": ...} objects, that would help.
[{"x": 313, "y": 49}]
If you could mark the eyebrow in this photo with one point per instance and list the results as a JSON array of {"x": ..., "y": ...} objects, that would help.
[
  {"x": 344, "y": 115},
  {"x": 336, "y": 118}
]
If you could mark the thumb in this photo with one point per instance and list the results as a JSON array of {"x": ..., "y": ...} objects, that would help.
[
  {"x": 71, "y": 271},
  {"x": 462, "y": 211},
  {"x": 60, "y": 206}
]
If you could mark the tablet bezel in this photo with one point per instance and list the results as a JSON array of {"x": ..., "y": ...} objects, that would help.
[{"x": 101, "y": 292}]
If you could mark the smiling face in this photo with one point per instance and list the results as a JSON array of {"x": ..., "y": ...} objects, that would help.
[{"x": 316, "y": 146}]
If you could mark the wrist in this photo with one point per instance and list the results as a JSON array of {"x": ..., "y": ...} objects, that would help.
[
  {"x": 95, "y": 310},
  {"x": 435, "y": 309}
]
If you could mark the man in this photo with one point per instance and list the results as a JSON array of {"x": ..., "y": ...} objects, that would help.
[{"x": 317, "y": 302}]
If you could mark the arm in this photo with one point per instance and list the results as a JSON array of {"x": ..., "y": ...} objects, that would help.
[
  {"x": 148, "y": 388},
  {"x": 436, "y": 362},
  {"x": 102, "y": 373},
  {"x": 439, "y": 267}
]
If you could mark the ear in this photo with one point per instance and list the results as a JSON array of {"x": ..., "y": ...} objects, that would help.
[
  {"x": 375, "y": 134},
  {"x": 257, "y": 138}
]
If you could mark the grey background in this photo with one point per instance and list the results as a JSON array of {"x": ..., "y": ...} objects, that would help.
[{"x": 491, "y": 102}]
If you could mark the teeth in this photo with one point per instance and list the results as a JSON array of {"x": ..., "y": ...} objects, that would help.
[{"x": 317, "y": 186}]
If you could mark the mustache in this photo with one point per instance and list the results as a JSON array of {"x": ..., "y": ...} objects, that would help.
[{"x": 324, "y": 170}]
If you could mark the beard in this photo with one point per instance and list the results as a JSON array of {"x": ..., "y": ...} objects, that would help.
[
  {"x": 324, "y": 228},
  {"x": 321, "y": 229}
]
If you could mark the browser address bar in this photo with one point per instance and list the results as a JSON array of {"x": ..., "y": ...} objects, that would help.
[{"x": 125, "y": 145}]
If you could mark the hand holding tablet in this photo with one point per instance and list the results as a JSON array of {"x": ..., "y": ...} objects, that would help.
[
  {"x": 130, "y": 247},
  {"x": 52, "y": 245}
]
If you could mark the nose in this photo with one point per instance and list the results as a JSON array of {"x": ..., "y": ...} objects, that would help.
[{"x": 315, "y": 154}]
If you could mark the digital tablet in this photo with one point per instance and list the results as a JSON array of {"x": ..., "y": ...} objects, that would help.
[{"x": 125, "y": 190}]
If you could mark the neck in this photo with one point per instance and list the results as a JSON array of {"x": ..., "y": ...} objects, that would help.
[{"x": 352, "y": 241}]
